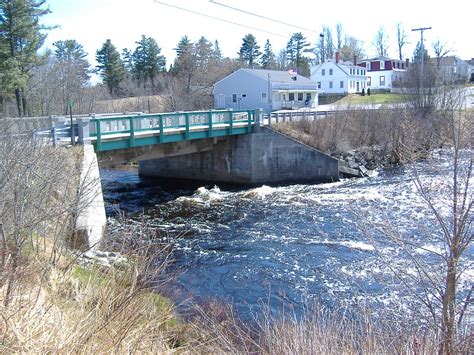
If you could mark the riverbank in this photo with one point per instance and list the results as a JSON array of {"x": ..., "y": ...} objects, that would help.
[{"x": 382, "y": 138}]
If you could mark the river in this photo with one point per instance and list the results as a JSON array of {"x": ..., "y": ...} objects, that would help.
[{"x": 280, "y": 246}]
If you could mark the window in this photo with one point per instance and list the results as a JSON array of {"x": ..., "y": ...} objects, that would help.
[
  {"x": 300, "y": 96},
  {"x": 330, "y": 84},
  {"x": 308, "y": 96},
  {"x": 330, "y": 71},
  {"x": 350, "y": 71},
  {"x": 234, "y": 98},
  {"x": 264, "y": 97},
  {"x": 357, "y": 71},
  {"x": 382, "y": 65},
  {"x": 323, "y": 71},
  {"x": 341, "y": 85},
  {"x": 244, "y": 96},
  {"x": 363, "y": 72},
  {"x": 319, "y": 85},
  {"x": 367, "y": 65},
  {"x": 291, "y": 96},
  {"x": 382, "y": 80},
  {"x": 369, "y": 80}
]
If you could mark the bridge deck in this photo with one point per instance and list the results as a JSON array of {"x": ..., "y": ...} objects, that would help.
[{"x": 121, "y": 132}]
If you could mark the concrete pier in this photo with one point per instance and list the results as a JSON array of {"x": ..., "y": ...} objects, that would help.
[{"x": 267, "y": 157}]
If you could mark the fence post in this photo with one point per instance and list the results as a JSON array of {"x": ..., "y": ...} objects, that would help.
[
  {"x": 83, "y": 130},
  {"x": 54, "y": 136}
]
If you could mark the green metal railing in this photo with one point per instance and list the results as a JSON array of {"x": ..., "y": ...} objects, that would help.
[{"x": 126, "y": 131}]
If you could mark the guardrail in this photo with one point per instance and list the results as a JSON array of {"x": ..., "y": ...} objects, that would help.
[{"x": 294, "y": 116}]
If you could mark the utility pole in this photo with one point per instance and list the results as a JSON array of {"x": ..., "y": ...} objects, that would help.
[{"x": 422, "y": 29}]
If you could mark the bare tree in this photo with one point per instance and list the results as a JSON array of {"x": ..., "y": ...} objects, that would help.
[
  {"x": 441, "y": 50},
  {"x": 401, "y": 39},
  {"x": 381, "y": 42}
]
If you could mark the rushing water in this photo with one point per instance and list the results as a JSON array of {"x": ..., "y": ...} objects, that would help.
[{"x": 279, "y": 245}]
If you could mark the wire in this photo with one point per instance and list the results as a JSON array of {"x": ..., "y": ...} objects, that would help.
[
  {"x": 218, "y": 19},
  {"x": 261, "y": 16}
]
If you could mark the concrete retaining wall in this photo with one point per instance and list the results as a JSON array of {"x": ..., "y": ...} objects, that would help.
[
  {"x": 259, "y": 158},
  {"x": 90, "y": 219}
]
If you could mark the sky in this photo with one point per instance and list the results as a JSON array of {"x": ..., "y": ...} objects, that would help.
[{"x": 91, "y": 22}]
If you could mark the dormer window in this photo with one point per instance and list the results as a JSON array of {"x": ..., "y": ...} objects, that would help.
[
  {"x": 382, "y": 65},
  {"x": 367, "y": 65}
]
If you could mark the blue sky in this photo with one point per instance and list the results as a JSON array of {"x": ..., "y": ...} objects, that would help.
[{"x": 91, "y": 22}]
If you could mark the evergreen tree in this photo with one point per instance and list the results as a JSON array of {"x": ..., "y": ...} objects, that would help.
[
  {"x": 204, "y": 52},
  {"x": 73, "y": 69},
  {"x": 417, "y": 54},
  {"x": 184, "y": 46},
  {"x": 148, "y": 61},
  {"x": 250, "y": 50},
  {"x": 217, "y": 51},
  {"x": 20, "y": 38},
  {"x": 127, "y": 58},
  {"x": 268, "y": 60},
  {"x": 111, "y": 67},
  {"x": 295, "y": 48}
]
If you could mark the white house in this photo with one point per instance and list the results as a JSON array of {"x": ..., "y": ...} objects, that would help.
[
  {"x": 338, "y": 77},
  {"x": 270, "y": 90},
  {"x": 384, "y": 73}
]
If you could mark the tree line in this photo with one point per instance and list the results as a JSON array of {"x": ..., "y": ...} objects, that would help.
[{"x": 57, "y": 81}]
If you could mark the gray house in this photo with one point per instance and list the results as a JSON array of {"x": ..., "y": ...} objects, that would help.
[{"x": 270, "y": 90}]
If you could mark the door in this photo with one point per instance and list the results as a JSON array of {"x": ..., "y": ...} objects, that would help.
[{"x": 358, "y": 87}]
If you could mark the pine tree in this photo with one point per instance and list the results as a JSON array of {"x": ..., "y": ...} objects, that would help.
[
  {"x": 20, "y": 37},
  {"x": 217, "y": 51},
  {"x": 184, "y": 46},
  {"x": 204, "y": 52},
  {"x": 268, "y": 60},
  {"x": 148, "y": 61},
  {"x": 73, "y": 68},
  {"x": 127, "y": 58},
  {"x": 249, "y": 51},
  {"x": 417, "y": 54},
  {"x": 295, "y": 48},
  {"x": 111, "y": 66}
]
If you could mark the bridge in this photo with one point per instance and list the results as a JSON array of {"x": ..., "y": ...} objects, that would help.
[
  {"x": 128, "y": 131},
  {"x": 216, "y": 146}
]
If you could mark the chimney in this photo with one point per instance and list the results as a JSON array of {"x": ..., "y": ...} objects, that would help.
[
  {"x": 355, "y": 60},
  {"x": 337, "y": 57}
]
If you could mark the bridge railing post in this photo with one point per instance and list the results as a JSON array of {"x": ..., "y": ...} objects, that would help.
[
  {"x": 231, "y": 122},
  {"x": 162, "y": 129},
  {"x": 132, "y": 131},
  {"x": 83, "y": 130},
  {"x": 257, "y": 119},
  {"x": 99, "y": 137},
  {"x": 186, "y": 116},
  {"x": 209, "y": 117}
]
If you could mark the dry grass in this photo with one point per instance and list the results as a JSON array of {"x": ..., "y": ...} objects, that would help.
[
  {"x": 91, "y": 310},
  {"x": 390, "y": 135}
]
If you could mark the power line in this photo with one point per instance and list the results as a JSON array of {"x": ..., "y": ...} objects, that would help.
[
  {"x": 218, "y": 19},
  {"x": 261, "y": 16}
]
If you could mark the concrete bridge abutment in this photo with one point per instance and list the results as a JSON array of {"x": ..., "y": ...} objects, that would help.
[{"x": 264, "y": 157}]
